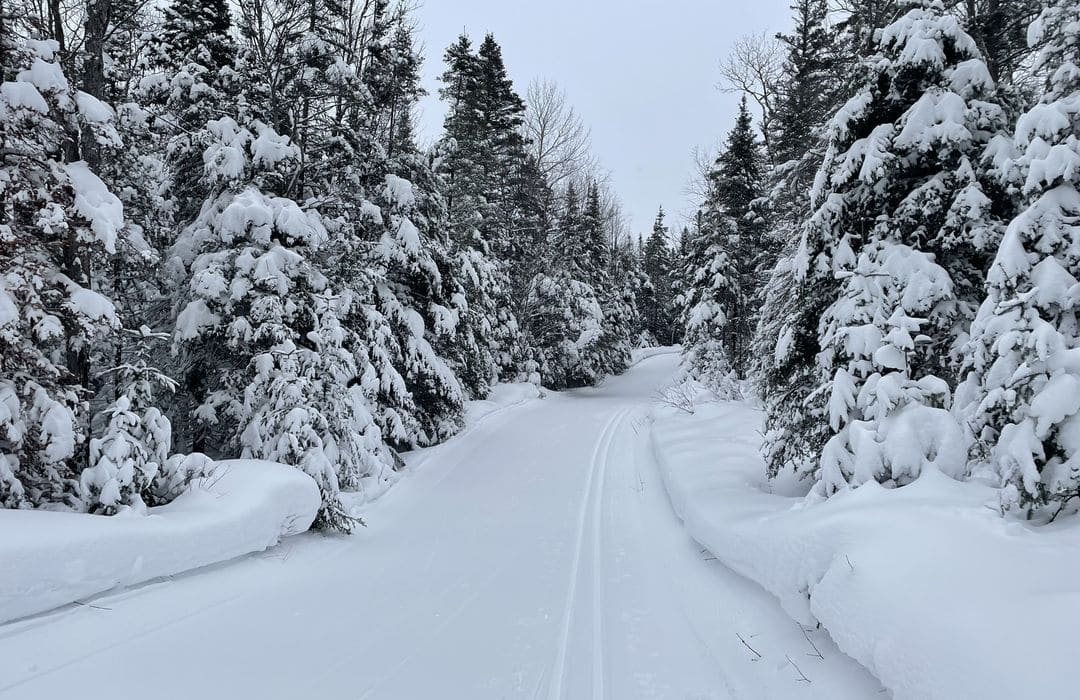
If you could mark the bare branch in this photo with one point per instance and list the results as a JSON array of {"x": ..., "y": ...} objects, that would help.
[
  {"x": 558, "y": 138},
  {"x": 755, "y": 67}
]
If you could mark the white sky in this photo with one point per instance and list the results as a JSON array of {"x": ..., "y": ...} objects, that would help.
[{"x": 643, "y": 74}]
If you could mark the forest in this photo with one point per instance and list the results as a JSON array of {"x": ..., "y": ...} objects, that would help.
[
  {"x": 826, "y": 417},
  {"x": 222, "y": 238}
]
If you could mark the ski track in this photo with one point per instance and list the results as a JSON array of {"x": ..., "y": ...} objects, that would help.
[
  {"x": 536, "y": 555},
  {"x": 588, "y": 518}
]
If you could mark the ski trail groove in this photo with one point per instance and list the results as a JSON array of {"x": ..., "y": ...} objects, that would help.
[
  {"x": 598, "y": 564},
  {"x": 589, "y": 504}
]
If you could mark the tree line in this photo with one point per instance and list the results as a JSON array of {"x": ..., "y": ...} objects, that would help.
[
  {"x": 219, "y": 236},
  {"x": 888, "y": 257}
]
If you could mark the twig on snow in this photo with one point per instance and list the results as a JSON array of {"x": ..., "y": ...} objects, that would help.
[
  {"x": 756, "y": 652},
  {"x": 817, "y": 652},
  {"x": 802, "y": 676}
]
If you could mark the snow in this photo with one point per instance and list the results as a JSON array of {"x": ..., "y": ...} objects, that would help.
[
  {"x": 47, "y": 77},
  {"x": 92, "y": 109},
  {"x": 638, "y": 355},
  {"x": 23, "y": 96},
  {"x": 55, "y": 558},
  {"x": 270, "y": 148},
  {"x": 399, "y": 191},
  {"x": 96, "y": 204},
  {"x": 534, "y": 556},
  {"x": 501, "y": 398},
  {"x": 9, "y": 311},
  {"x": 927, "y": 585}
]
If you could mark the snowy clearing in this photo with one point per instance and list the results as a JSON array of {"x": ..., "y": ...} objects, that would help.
[
  {"x": 535, "y": 556},
  {"x": 926, "y": 585}
]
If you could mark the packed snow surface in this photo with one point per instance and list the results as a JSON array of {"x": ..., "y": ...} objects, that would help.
[
  {"x": 534, "y": 556},
  {"x": 49, "y": 559},
  {"x": 926, "y": 585}
]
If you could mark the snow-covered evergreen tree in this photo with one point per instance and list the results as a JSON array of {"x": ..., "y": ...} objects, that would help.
[
  {"x": 727, "y": 261},
  {"x": 189, "y": 80},
  {"x": 902, "y": 172},
  {"x": 305, "y": 406},
  {"x": 616, "y": 342},
  {"x": 254, "y": 294},
  {"x": 564, "y": 320},
  {"x": 56, "y": 219},
  {"x": 478, "y": 158},
  {"x": 129, "y": 462},
  {"x": 657, "y": 303},
  {"x": 704, "y": 303},
  {"x": 782, "y": 367},
  {"x": 1020, "y": 399}
]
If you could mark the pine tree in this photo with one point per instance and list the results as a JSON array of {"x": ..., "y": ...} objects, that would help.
[
  {"x": 705, "y": 303},
  {"x": 657, "y": 263},
  {"x": 129, "y": 463},
  {"x": 190, "y": 79},
  {"x": 565, "y": 322},
  {"x": 255, "y": 300},
  {"x": 891, "y": 258},
  {"x": 56, "y": 219},
  {"x": 735, "y": 186},
  {"x": 813, "y": 74},
  {"x": 809, "y": 96},
  {"x": 616, "y": 343},
  {"x": 480, "y": 157},
  {"x": 1020, "y": 398}
]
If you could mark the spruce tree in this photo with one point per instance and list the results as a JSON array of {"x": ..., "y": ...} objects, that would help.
[
  {"x": 1020, "y": 398},
  {"x": 189, "y": 80},
  {"x": 57, "y": 219},
  {"x": 735, "y": 186},
  {"x": 480, "y": 158},
  {"x": 810, "y": 93},
  {"x": 704, "y": 304},
  {"x": 657, "y": 262},
  {"x": 890, "y": 260}
]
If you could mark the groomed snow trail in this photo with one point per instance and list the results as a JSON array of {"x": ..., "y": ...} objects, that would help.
[{"x": 536, "y": 556}]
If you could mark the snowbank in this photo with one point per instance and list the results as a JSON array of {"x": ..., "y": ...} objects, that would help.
[
  {"x": 639, "y": 354},
  {"x": 48, "y": 559},
  {"x": 927, "y": 586},
  {"x": 502, "y": 396}
]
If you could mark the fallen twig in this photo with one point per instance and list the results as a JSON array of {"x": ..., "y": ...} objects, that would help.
[
  {"x": 756, "y": 652},
  {"x": 817, "y": 652},
  {"x": 802, "y": 676}
]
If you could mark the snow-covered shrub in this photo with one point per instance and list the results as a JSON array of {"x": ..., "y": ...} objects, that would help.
[
  {"x": 565, "y": 326},
  {"x": 889, "y": 423}
]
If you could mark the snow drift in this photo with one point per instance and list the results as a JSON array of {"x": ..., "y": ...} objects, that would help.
[
  {"x": 927, "y": 585},
  {"x": 49, "y": 559}
]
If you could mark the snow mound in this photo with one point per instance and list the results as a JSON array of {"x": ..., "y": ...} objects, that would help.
[
  {"x": 640, "y": 354},
  {"x": 927, "y": 585},
  {"x": 502, "y": 396},
  {"x": 52, "y": 558}
]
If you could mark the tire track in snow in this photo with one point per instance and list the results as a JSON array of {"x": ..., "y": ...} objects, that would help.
[{"x": 589, "y": 518}]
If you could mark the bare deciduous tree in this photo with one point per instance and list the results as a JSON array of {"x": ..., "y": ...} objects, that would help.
[
  {"x": 559, "y": 140},
  {"x": 755, "y": 67}
]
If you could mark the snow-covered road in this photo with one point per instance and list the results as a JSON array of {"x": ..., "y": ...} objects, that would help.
[{"x": 536, "y": 556}]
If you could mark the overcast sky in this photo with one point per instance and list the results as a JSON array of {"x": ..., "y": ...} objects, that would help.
[{"x": 643, "y": 74}]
